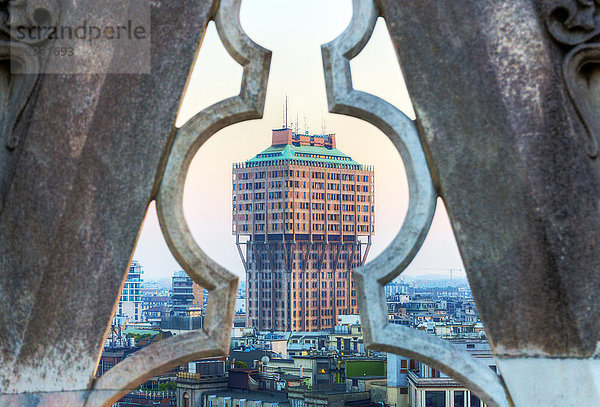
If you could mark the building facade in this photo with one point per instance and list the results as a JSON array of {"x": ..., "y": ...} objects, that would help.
[
  {"x": 149, "y": 289},
  {"x": 155, "y": 308},
  {"x": 303, "y": 217},
  {"x": 130, "y": 302},
  {"x": 204, "y": 376},
  {"x": 428, "y": 387},
  {"x": 188, "y": 297}
]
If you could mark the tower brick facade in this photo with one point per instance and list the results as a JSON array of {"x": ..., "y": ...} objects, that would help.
[{"x": 303, "y": 217}]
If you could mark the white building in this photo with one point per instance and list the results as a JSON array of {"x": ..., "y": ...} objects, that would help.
[
  {"x": 428, "y": 387},
  {"x": 240, "y": 306},
  {"x": 351, "y": 319},
  {"x": 396, "y": 287},
  {"x": 149, "y": 289},
  {"x": 130, "y": 303}
]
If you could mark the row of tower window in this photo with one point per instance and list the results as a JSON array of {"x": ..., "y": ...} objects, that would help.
[
  {"x": 315, "y": 293},
  {"x": 302, "y": 227},
  {"x": 266, "y": 312},
  {"x": 259, "y": 196},
  {"x": 330, "y": 256},
  {"x": 314, "y": 265},
  {"x": 314, "y": 303},
  {"x": 342, "y": 255},
  {"x": 301, "y": 184},
  {"x": 298, "y": 256},
  {"x": 333, "y": 217},
  {"x": 296, "y": 314},
  {"x": 300, "y": 323},
  {"x": 315, "y": 284},
  {"x": 260, "y": 206},
  {"x": 304, "y": 205},
  {"x": 298, "y": 173},
  {"x": 266, "y": 301},
  {"x": 279, "y": 275},
  {"x": 266, "y": 284},
  {"x": 300, "y": 247}
]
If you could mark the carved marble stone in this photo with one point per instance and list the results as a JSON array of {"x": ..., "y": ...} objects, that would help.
[
  {"x": 506, "y": 134},
  {"x": 74, "y": 193},
  {"x": 509, "y": 126}
]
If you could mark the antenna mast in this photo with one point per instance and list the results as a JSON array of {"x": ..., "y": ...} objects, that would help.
[
  {"x": 286, "y": 111},
  {"x": 297, "y": 123},
  {"x": 305, "y": 125}
]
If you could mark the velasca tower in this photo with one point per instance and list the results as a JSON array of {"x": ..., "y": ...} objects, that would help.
[{"x": 303, "y": 217}]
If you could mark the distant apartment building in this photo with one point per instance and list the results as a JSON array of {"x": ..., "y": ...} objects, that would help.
[
  {"x": 130, "y": 302},
  {"x": 155, "y": 308},
  {"x": 340, "y": 340},
  {"x": 203, "y": 377},
  {"x": 188, "y": 297},
  {"x": 428, "y": 387},
  {"x": 156, "y": 301},
  {"x": 149, "y": 289},
  {"x": 395, "y": 288},
  {"x": 303, "y": 217}
]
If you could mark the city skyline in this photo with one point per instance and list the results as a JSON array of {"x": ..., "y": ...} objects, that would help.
[{"x": 297, "y": 72}]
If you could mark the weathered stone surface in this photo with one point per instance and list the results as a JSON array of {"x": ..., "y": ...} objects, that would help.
[
  {"x": 81, "y": 178},
  {"x": 508, "y": 154}
]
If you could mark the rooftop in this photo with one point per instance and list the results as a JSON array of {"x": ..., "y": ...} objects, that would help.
[
  {"x": 269, "y": 397},
  {"x": 290, "y": 147},
  {"x": 304, "y": 153}
]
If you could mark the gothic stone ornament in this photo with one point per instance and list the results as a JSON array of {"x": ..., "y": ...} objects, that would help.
[
  {"x": 573, "y": 23},
  {"x": 18, "y": 73},
  {"x": 506, "y": 149},
  {"x": 371, "y": 278},
  {"x": 90, "y": 157},
  {"x": 581, "y": 70},
  {"x": 17, "y": 18},
  {"x": 214, "y": 338},
  {"x": 16, "y": 90},
  {"x": 22, "y": 15}
]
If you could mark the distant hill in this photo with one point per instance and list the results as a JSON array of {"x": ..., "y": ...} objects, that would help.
[
  {"x": 165, "y": 283},
  {"x": 437, "y": 280}
]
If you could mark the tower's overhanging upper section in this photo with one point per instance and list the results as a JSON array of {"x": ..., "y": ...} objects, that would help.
[
  {"x": 303, "y": 188},
  {"x": 315, "y": 148}
]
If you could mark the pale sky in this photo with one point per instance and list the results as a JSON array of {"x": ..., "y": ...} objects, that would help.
[{"x": 293, "y": 31}]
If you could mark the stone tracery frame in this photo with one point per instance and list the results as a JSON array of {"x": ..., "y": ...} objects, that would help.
[
  {"x": 213, "y": 339},
  {"x": 372, "y": 277}
]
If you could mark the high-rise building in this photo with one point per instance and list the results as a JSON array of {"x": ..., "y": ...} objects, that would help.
[
  {"x": 130, "y": 303},
  {"x": 187, "y": 296},
  {"x": 303, "y": 217}
]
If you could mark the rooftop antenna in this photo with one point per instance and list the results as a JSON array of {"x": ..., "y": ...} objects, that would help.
[
  {"x": 283, "y": 115},
  {"x": 305, "y": 125},
  {"x": 323, "y": 127},
  {"x": 297, "y": 123},
  {"x": 286, "y": 111}
]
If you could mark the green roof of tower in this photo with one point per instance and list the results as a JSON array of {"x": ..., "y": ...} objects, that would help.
[{"x": 304, "y": 153}]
